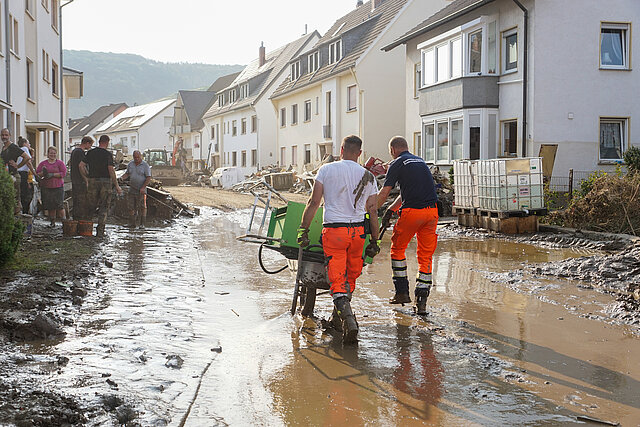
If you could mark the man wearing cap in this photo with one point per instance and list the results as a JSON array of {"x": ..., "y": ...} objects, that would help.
[
  {"x": 80, "y": 178},
  {"x": 349, "y": 192},
  {"x": 418, "y": 217}
]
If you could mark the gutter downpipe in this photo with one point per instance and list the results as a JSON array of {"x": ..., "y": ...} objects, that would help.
[{"x": 524, "y": 77}]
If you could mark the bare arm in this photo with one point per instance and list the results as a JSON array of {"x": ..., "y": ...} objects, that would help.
[
  {"x": 114, "y": 180},
  {"x": 144, "y": 185},
  {"x": 312, "y": 205},
  {"x": 82, "y": 166},
  {"x": 384, "y": 194},
  {"x": 372, "y": 208}
]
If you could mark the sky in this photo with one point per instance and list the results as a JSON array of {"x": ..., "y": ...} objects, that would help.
[{"x": 205, "y": 31}]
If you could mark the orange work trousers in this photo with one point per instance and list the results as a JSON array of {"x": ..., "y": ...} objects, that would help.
[
  {"x": 414, "y": 222},
  {"x": 343, "y": 248}
]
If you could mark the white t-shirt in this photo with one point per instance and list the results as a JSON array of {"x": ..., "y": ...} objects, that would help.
[
  {"x": 24, "y": 168},
  {"x": 346, "y": 188}
]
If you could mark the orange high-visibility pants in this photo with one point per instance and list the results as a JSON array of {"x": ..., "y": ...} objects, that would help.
[
  {"x": 414, "y": 222},
  {"x": 343, "y": 248}
]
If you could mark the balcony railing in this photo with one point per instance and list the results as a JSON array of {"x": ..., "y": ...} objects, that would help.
[{"x": 326, "y": 131}]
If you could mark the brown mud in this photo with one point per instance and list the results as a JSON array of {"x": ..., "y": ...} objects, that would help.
[{"x": 177, "y": 324}]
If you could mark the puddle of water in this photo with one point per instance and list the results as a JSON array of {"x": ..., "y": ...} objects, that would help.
[{"x": 498, "y": 347}]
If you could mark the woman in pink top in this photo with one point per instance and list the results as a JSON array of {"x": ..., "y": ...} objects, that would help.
[{"x": 52, "y": 172}]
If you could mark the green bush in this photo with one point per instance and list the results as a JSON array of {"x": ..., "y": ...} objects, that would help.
[
  {"x": 632, "y": 159},
  {"x": 587, "y": 184},
  {"x": 10, "y": 229}
]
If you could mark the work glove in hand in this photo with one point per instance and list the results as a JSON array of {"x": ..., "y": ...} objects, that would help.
[
  {"x": 303, "y": 237},
  {"x": 372, "y": 249},
  {"x": 386, "y": 219}
]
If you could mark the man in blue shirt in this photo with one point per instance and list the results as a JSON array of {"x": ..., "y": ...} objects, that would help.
[
  {"x": 418, "y": 217},
  {"x": 139, "y": 173}
]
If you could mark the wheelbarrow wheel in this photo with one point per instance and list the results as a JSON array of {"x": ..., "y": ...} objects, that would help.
[{"x": 307, "y": 300}]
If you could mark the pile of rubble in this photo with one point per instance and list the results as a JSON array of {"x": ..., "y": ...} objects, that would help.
[{"x": 161, "y": 205}]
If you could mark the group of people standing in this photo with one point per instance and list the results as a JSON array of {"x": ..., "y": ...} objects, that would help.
[
  {"x": 351, "y": 203},
  {"x": 93, "y": 178}
]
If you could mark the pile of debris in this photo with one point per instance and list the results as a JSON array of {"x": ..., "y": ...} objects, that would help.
[{"x": 161, "y": 205}]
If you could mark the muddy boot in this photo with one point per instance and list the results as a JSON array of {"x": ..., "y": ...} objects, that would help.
[
  {"x": 400, "y": 298},
  {"x": 143, "y": 221},
  {"x": 349, "y": 324},
  {"x": 421, "y": 300},
  {"x": 100, "y": 230},
  {"x": 334, "y": 321}
]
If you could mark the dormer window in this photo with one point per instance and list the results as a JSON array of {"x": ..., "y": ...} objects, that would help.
[
  {"x": 295, "y": 71},
  {"x": 313, "y": 61},
  {"x": 233, "y": 95},
  {"x": 335, "y": 52},
  {"x": 244, "y": 91},
  {"x": 221, "y": 100}
]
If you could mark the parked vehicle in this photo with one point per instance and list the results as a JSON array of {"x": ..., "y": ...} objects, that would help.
[{"x": 161, "y": 168}]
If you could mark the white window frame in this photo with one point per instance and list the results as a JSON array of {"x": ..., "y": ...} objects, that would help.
[
  {"x": 14, "y": 32},
  {"x": 30, "y": 83},
  {"x": 243, "y": 126},
  {"x": 244, "y": 91},
  {"x": 221, "y": 100},
  {"x": 503, "y": 149},
  {"x": 313, "y": 61},
  {"x": 294, "y": 155},
  {"x": 625, "y": 28},
  {"x": 54, "y": 15},
  {"x": 254, "y": 124},
  {"x": 506, "y": 34},
  {"x": 352, "y": 97},
  {"x": 307, "y": 150},
  {"x": 45, "y": 67},
  {"x": 234, "y": 128},
  {"x": 623, "y": 123},
  {"x": 283, "y": 117},
  {"x": 55, "y": 79},
  {"x": 307, "y": 110},
  {"x": 294, "y": 114},
  {"x": 295, "y": 71},
  {"x": 461, "y": 61},
  {"x": 335, "y": 51},
  {"x": 417, "y": 79},
  {"x": 233, "y": 96},
  {"x": 434, "y": 121},
  {"x": 254, "y": 157}
]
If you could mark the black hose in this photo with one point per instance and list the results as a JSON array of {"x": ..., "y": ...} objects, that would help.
[{"x": 262, "y": 265}]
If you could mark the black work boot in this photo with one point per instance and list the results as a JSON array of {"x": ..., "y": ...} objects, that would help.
[
  {"x": 401, "y": 284},
  {"x": 421, "y": 300},
  {"x": 334, "y": 320},
  {"x": 349, "y": 324}
]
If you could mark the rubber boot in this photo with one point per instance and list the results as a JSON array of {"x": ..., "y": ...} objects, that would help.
[
  {"x": 402, "y": 291},
  {"x": 334, "y": 320},
  {"x": 421, "y": 300},
  {"x": 349, "y": 324},
  {"x": 143, "y": 221}
]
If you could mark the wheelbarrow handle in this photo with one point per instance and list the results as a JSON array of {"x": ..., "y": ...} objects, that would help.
[{"x": 296, "y": 289}]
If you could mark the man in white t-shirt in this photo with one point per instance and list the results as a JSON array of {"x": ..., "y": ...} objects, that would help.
[{"x": 349, "y": 192}]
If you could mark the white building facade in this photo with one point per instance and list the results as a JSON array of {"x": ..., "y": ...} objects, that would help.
[
  {"x": 466, "y": 85},
  {"x": 31, "y": 73},
  {"x": 141, "y": 127},
  {"x": 241, "y": 124},
  {"x": 348, "y": 84}
]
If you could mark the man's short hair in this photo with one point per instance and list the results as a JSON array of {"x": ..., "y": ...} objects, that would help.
[
  {"x": 86, "y": 139},
  {"x": 103, "y": 139},
  {"x": 352, "y": 143},
  {"x": 398, "y": 142}
]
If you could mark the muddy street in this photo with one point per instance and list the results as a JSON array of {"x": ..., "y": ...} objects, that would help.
[{"x": 182, "y": 327}]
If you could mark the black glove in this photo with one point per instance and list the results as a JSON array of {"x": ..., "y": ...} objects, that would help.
[
  {"x": 372, "y": 250},
  {"x": 386, "y": 219},
  {"x": 303, "y": 237}
]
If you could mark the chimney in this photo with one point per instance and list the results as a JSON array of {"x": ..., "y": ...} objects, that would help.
[
  {"x": 359, "y": 3},
  {"x": 262, "y": 54},
  {"x": 375, "y": 4}
]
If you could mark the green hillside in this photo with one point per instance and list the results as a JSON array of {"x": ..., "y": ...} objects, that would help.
[{"x": 117, "y": 77}]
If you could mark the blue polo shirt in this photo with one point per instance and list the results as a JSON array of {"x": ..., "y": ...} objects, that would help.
[{"x": 416, "y": 182}]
